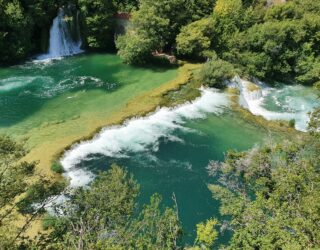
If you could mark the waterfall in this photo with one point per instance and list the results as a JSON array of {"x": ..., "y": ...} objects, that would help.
[
  {"x": 250, "y": 92},
  {"x": 277, "y": 103},
  {"x": 62, "y": 43}
]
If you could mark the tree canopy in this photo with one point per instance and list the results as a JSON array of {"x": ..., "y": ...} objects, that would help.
[{"x": 271, "y": 193}]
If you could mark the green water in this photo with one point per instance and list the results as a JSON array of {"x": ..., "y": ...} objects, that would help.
[
  {"x": 49, "y": 101},
  {"x": 179, "y": 166},
  {"x": 36, "y": 94}
]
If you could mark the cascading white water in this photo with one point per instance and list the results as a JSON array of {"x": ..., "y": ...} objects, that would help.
[
  {"x": 140, "y": 134},
  {"x": 61, "y": 42},
  {"x": 247, "y": 95},
  {"x": 282, "y": 103}
]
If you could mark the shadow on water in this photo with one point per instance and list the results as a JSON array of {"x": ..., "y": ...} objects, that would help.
[{"x": 26, "y": 88}]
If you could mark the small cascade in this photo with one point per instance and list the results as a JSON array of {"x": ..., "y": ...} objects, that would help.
[
  {"x": 281, "y": 103},
  {"x": 250, "y": 92},
  {"x": 62, "y": 42}
]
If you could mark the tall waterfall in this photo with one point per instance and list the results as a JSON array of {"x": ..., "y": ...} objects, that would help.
[{"x": 62, "y": 43}]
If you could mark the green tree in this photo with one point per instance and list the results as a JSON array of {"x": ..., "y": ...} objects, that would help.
[
  {"x": 199, "y": 9},
  {"x": 206, "y": 233},
  {"x": 104, "y": 216},
  {"x": 283, "y": 46},
  {"x": 194, "y": 40},
  {"x": 154, "y": 27},
  {"x": 15, "y": 42},
  {"x": 271, "y": 194},
  {"x": 98, "y": 23},
  {"x": 126, "y": 5},
  {"x": 143, "y": 36},
  {"x": 229, "y": 8},
  {"x": 155, "y": 227},
  {"x": 18, "y": 193}
]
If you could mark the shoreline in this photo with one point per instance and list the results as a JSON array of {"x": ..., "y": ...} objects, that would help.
[
  {"x": 183, "y": 88},
  {"x": 153, "y": 100},
  {"x": 50, "y": 151}
]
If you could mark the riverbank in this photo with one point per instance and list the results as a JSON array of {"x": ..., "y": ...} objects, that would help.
[
  {"x": 69, "y": 132},
  {"x": 60, "y": 136},
  {"x": 168, "y": 150},
  {"x": 49, "y": 141}
]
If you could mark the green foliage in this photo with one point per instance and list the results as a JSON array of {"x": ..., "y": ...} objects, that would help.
[
  {"x": 125, "y": 5},
  {"x": 155, "y": 229},
  {"x": 13, "y": 173},
  {"x": 36, "y": 194},
  {"x": 277, "y": 50},
  {"x": 17, "y": 192},
  {"x": 292, "y": 123},
  {"x": 199, "y": 8},
  {"x": 229, "y": 8},
  {"x": 194, "y": 39},
  {"x": 14, "y": 41},
  {"x": 98, "y": 23},
  {"x": 282, "y": 45},
  {"x": 135, "y": 46},
  {"x": 153, "y": 27},
  {"x": 271, "y": 194},
  {"x": 206, "y": 233},
  {"x": 102, "y": 217},
  {"x": 57, "y": 167},
  {"x": 314, "y": 124},
  {"x": 215, "y": 72}
]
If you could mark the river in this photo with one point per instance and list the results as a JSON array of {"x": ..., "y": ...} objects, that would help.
[{"x": 52, "y": 103}]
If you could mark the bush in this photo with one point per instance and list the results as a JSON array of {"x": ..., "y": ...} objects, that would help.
[
  {"x": 57, "y": 167},
  {"x": 134, "y": 48},
  {"x": 215, "y": 72},
  {"x": 292, "y": 123}
]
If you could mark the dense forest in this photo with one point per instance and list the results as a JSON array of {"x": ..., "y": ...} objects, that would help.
[
  {"x": 278, "y": 42},
  {"x": 270, "y": 194},
  {"x": 25, "y": 24}
]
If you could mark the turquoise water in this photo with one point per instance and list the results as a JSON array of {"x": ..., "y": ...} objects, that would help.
[
  {"x": 167, "y": 152},
  {"x": 36, "y": 93},
  {"x": 171, "y": 156}
]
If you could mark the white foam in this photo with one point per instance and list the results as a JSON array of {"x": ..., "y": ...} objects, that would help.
[
  {"x": 61, "y": 43},
  {"x": 296, "y": 103},
  {"x": 11, "y": 83},
  {"x": 140, "y": 134}
]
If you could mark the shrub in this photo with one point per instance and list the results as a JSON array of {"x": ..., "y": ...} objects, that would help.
[
  {"x": 292, "y": 123},
  {"x": 215, "y": 72},
  {"x": 57, "y": 167}
]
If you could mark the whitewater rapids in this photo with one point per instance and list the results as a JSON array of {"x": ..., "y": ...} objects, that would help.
[
  {"x": 140, "y": 134},
  {"x": 286, "y": 102}
]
